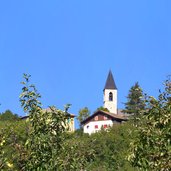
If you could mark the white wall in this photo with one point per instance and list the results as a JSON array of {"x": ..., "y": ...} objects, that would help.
[
  {"x": 110, "y": 105},
  {"x": 90, "y": 127}
]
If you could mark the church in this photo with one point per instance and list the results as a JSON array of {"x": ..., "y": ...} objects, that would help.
[{"x": 102, "y": 119}]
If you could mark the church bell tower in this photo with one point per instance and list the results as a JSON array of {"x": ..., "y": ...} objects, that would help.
[{"x": 110, "y": 94}]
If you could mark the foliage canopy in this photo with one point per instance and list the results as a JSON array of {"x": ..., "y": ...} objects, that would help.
[
  {"x": 135, "y": 100},
  {"x": 8, "y": 116},
  {"x": 83, "y": 114},
  {"x": 151, "y": 149}
]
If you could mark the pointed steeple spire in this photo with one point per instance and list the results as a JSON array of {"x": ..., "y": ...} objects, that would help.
[{"x": 110, "y": 83}]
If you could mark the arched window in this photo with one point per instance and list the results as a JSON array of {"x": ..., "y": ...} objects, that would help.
[{"x": 110, "y": 96}]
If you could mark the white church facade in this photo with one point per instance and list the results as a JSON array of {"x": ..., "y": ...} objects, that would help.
[{"x": 102, "y": 119}]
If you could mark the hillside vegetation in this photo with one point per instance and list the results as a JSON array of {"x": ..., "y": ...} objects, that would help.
[{"x": 43, "y": 143}]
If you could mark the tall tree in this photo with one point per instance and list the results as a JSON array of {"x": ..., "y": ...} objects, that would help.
[
  {"x": 135, "y": 100},
  {"x": 83, "y": 114},
  {"x": 151, "y": 148},
  {"x": 46, "y": 133}
]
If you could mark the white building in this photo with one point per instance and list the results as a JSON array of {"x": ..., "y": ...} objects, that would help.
[{"x": 101, "y": 118}]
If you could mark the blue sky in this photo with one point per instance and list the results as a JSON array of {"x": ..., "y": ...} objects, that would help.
[{"x": 69, "y": 46}]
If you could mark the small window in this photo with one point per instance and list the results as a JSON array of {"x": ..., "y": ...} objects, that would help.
[
  {"x": 96, "y": 126},
  {"x": 96, "y": 118},
  {"x": 110, "y": 96},
  {"x": 87, "y": 126},
  {"x": 104, "y": 126},
  {"x": 105, "y": 118}
]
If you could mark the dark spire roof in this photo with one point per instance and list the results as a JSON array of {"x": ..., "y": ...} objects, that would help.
[{"x": 110, "y": 83}]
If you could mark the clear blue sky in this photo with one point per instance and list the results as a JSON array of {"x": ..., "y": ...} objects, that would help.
[{"x": 69, "y": 46}]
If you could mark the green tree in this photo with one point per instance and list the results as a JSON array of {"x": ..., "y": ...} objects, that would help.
[
  {"x": 13, "y": 154},
  {"x": 78, "y": 153},
  {"x": 83, "y": 114},
  {"x": 103, "y": 151},
  {"x": 111, "y": 148},
  {"x": 135, "y": 100},
  {"x": 8, "y": 115},
  {"x": 151, "y": 148},
  {"x": 46, "y": 134},
  {"x": 103, "y": 109}
]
